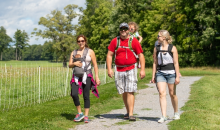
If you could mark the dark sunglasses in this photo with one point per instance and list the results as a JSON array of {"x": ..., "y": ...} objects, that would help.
[
  {"x": 125, "y": 29},
  {"x": 158, "y": 36},
  {"x": 81, "y": 41}
]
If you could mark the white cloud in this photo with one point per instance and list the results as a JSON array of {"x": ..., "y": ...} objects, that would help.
[{"x": 25, "y": 14}]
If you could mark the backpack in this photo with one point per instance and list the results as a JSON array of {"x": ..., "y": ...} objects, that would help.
[
  {"x": 79, "y": 71},
  {"x": 129, "y": 47},
  {"x": 169, "y": 66}
]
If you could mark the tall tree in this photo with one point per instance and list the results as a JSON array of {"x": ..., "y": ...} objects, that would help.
[
  {"x": 48, "y": 51},
  {"x": 60, "y": 30},
  {"x": 21, "y": 41},
  {"x": 4, "y": 40},
  {"x": 94, "y": 24}
]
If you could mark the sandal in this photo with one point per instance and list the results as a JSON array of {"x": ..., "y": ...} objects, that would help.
[
  {"x": 126, "y": 116},
  {"x": 132, "y": 118}
]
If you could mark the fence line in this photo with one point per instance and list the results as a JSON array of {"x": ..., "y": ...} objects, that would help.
[{"x": 30, "y": 84}]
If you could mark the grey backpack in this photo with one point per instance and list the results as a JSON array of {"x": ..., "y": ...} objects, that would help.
[{"x": 79, "y": 71}]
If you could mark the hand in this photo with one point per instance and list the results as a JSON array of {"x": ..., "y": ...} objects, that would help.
[
  {"x": 142, "y": 74},
  {"x": 110, "y": 73},
  {"x": 153, "y": 80},
  {"x": 78, "y": 63},
  {"x": 98, "y": 82},
  {"x": 177, "y": 80}
]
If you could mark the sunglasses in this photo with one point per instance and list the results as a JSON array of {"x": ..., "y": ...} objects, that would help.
[
  {"x": 81, "y": 41},
  {"x": 158, "y": 36},
  {"x": 125, "y": 29}
]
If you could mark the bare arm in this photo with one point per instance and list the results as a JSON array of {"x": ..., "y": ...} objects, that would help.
[
  {"x": 72, "y": 64},
  {"x": 176, "y": 64},
  {"x": 140, "y": 38},
  {"x": 109, "y": 63},
  {"x": 154, "y": 64},
  {"x": 142, "y": 62},
  {"x": 93, "y": 57}
]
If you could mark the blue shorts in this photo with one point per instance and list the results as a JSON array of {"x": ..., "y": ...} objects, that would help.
[{"x": 163, "y": 77}]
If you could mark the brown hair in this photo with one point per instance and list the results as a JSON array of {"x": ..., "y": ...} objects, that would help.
[
  {"x": 84, "y": 37},
  {"x": 135, "y": 25},
  {"x": 166, "y": 34},
  {"x": 77, "y": 56}
]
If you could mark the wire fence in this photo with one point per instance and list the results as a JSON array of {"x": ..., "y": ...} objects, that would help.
[{"x": 30, "y": 84}]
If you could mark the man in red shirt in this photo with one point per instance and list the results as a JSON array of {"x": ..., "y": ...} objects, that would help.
[{"x": 125, "y": 76}]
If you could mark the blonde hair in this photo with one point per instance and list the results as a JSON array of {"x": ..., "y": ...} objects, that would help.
[
  {"x": 135, "y": 25},
  {"x": 166, "y": 34}
]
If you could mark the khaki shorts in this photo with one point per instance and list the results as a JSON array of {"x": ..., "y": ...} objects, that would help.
[{"x": 126, "y": 81}]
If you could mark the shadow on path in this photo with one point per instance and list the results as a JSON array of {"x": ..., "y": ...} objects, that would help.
[
  {"x": 110, "y": 116},
  {"x": 68, "y": 116}
]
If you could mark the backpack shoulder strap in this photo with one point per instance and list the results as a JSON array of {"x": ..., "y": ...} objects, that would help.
[
  {"x": 118, "y": 42},
  {"x": 85, "y": 52},
  {"x": 130, "y": 42},
  {"x": 158, "y": 49},
  {"x": 170, "y": 50},
  {"x": 74, "y": 52}
]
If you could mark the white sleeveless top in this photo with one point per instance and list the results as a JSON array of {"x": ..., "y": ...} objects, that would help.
[
  {"x": 167, "y": 58},
  {"x": 88, "y": 60}
]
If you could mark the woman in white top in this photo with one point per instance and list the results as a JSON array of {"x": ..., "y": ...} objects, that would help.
[
  {"x": 89, "y": 83},
  {"x": 166, "y": 72}
]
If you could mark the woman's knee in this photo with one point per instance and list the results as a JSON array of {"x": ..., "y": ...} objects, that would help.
[
  {"x": 74, "y": 95},
  {"x": 162, "y": 94},
  {"x": 172, "y": 95}
]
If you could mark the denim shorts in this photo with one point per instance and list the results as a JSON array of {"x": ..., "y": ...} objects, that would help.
[{"x": 163, "y": 77}]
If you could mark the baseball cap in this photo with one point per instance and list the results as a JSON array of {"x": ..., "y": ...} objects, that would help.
[{"x": 123, "y": 25}]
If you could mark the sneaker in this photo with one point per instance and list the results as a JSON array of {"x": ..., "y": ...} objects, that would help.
[
  {"x": 86, "y": 119},
  {"x": 176, "y": 116},
  {"x": 162, "y": 119},
  {"x": 79, "y": 117}
]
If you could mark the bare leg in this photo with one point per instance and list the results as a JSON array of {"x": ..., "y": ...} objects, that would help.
[
  {"x": 124, "y": 95},
  {"x": 130, "y": 102},
  {"x": 174, "y": 99},
  {"x": 162, "y": 94},
  {"x": 86, "y": 111},
  {"x": 78, "y": 109}
]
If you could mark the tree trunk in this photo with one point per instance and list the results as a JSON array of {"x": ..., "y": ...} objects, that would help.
[
  {"x": 16, "y": 54},
  {"x": 64, "y": 62},
  {"x": 1, "y": 56}
]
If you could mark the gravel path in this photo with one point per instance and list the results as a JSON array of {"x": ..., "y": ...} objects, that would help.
[{"x": 147, "y": 110}]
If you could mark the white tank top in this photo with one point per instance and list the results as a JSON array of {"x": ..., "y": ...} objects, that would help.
[
  {"x": 88, "y": 60},
  {"x": 167, "y": 58}
]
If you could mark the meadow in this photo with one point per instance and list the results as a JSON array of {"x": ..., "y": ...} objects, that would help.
[{"x": 25, "y": 83}]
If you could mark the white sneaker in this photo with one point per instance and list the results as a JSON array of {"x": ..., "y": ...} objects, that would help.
[
  {"x": 162, "y": 119},
  {"x": 176, "y": 116}
]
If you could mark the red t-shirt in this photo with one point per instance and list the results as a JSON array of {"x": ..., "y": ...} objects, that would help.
[{"x": 121, "y": 53}]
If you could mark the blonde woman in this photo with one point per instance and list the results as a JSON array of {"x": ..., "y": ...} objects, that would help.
[{"x": 166, "y": 72}]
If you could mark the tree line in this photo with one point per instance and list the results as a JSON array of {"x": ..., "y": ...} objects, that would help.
[{"x": 193, "y": 24}]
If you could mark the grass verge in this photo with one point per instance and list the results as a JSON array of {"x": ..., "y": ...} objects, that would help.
[{"x": 202, "y": 111}]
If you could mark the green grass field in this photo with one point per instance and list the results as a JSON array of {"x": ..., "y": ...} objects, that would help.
[{"x": 25, "y": 83}]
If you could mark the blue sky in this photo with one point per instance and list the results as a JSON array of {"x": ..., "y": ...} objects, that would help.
[{"x": 25, "y": 14}]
